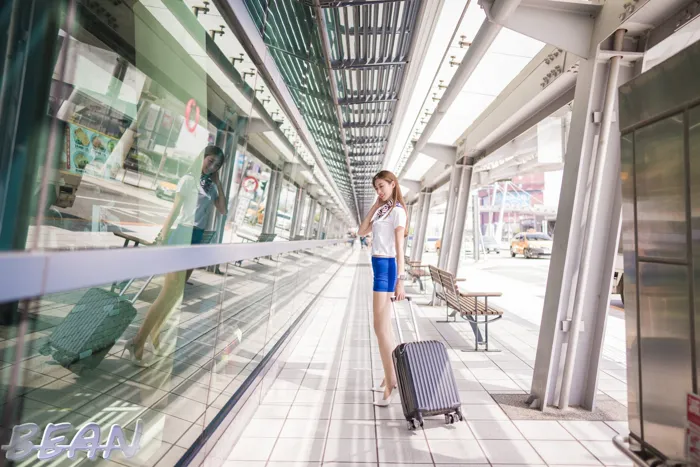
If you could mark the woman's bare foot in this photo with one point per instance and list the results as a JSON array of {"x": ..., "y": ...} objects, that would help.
[
  {"x": 138, "y": 348},
  {"x": 381, "y": 387},
  {"x": 388, "y": 391}
]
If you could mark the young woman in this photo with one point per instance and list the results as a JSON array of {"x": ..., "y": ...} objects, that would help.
[
  {"x": 198, "y": 192},
  {"x": 387, "y": 221}
]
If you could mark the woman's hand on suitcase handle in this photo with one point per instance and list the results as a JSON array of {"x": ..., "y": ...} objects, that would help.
[{"x": 400, "y": 292}]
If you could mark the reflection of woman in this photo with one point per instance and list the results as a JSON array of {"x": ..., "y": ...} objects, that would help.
[
  {"x": 386, "y": 220},
  {"x": 197, "y": 192}
]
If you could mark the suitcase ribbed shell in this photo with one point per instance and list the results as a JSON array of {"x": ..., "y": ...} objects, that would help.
[
  {"x": 426, "y": 381},
  {"x": 94, "y": 324}
]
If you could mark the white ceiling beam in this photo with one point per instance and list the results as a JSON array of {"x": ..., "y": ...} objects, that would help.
[
  {"x": 568, "y": 26},
  {"x": 441, "y": 153},
  {"x": 543, "y": 86},
  {"x": 412, "y": 185},
  {"x": 257, "y": 125}
]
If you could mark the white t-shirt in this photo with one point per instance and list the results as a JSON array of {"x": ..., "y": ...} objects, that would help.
[
  {"x": 197, "y": 202},
  {"x": 383, "y": 231}
]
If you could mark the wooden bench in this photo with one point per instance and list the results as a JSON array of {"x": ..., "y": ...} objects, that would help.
[
  {"x": 465, "y": 303},
  {"x": 416, "y": 271}
]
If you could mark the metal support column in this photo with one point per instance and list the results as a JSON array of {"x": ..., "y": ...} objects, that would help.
[
  {"x": 328, "y": 224},
  {"x": 460, "y": 214},
  {"x": 423, "y": 227},
  {"x": 502, "y": 213},
  {"x": 308, "y": 231},
  {"x": 464, "y": 186},
  {"x": 578, "y": 286},
  {"x": 271, "y": 203},
  {"x": 321, "y": 223},
  {"x": 416, "y": 228},
  {"x": 476, "y": 231},
  {"x": 448, "y": 224},
  {"x": 606, "y": 188},
  {"x": 299, "y": 203}
]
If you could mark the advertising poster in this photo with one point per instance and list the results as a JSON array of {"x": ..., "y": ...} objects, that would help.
[{"x": 85, "y": 146}]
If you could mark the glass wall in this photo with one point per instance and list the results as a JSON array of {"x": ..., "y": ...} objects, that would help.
[
  {"x": 167, "y": 358},
  {"x": 141, "y": 125}
]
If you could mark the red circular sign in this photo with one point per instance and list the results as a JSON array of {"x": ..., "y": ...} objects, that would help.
[
  {"x": 250, "y": 184},
  {"x": 188, "y": 113}
]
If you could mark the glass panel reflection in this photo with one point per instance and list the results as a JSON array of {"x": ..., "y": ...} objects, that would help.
[{"x": 199, "y": 342}]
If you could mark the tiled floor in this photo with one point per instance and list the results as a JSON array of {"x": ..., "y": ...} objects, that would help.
[{"x": 319, "y": 410}]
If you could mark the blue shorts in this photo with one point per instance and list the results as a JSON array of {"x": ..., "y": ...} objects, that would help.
[
  {"x": 384, "y": 270},
  {"x": 185, "y": 235}
]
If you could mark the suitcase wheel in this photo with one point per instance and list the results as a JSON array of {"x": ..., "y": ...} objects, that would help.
[
  {"x": 452, "y": 418},
  {"x": 412, "y": 425}
]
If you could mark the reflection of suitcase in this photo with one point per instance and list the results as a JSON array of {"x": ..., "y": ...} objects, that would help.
[
  {"x": 92, "y": 326},
  {"x": 426, "y": 382}
]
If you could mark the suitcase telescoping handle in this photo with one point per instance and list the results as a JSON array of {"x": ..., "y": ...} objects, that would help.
[
  {"x": 413, "y": 318},
  {"x": 143, "y": 287}
]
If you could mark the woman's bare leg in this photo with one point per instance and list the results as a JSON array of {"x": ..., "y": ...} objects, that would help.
[
  {"x": 173, "y": 286},
  {"x": 189, "y": 274},
  {"x": 385, "y": 338}
]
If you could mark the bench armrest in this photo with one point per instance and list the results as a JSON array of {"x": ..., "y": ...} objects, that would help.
[
  {"x": 480, "y": 294},
  {"x": 460, "y": 280}
]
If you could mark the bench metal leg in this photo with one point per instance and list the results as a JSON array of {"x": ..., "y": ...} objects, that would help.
[
  {"x": 447, "y": 316},
  {"x": 486, "y": 332},
  {"x": 474, "y": 323},
  {"x": 478, "y": 338}
]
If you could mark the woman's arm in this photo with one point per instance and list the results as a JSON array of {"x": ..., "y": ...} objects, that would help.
[
  {"x": 366, "y": 226},
  {"x": 221, "y": 202},
  {"x": 399, "y": 239}
]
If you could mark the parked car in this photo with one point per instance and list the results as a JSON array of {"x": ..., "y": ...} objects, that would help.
[
  {"x": 141, "y": 163},
  {"x": 490, "y": 244},
  {"x": 166, "y": 190},
  {"x": 531, "y": 245}
]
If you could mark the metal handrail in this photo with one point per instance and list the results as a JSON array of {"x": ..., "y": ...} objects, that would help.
[{"x": 35, "y": 273}]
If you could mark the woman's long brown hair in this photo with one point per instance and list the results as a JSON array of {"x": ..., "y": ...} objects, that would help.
[{"x": 396, "y": 196}]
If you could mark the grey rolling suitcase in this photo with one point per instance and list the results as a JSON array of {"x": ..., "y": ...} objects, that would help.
[
  {"x": 92, "y": 326},
  {"x": 426, "y": 382}
]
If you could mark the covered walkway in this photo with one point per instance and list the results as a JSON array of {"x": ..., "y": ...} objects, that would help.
[{"x": 316, "y": 407}]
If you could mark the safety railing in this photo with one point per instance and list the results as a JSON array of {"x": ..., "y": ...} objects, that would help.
[{"x": 31, "y": 274}]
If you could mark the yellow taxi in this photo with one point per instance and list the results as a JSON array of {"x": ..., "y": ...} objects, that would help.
[{"x": 531, "y": 245}]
